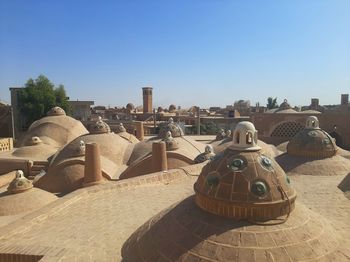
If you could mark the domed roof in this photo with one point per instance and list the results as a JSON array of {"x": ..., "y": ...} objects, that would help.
[
  {"x": 22, "y": 197},
  {"x": 243, "y": 206},
  {"x": 242, "y": 177},
  {"x": 174, "y": 128},
  {"x": 119, "y": 128},
  {"x": 207, "y": 155},
  {"x": 99, "y": 127},
  {"x": 160, "y": 109},
  {"x": 130, "y": 106},
  {"x": 56, "y": 111},
  {"x": 37, "y": 150},
  {"x": 220, "y": 135},
  {"x": 56, "y": 129},
  {"x": 19, "y": 184},
  {"x": 67, "y": 166},
  {"x": 172, "y": 108},
  {"x": 312, "y": 141},
  {"x": 285, "y": 105}
]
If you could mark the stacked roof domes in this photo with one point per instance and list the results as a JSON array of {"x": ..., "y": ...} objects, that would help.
[
  {"x": 66, "y": 170},
  {"x": 243, "y": 210},
  {"x": 313, "y": 151},
  {"x": 121, "y": 131}
]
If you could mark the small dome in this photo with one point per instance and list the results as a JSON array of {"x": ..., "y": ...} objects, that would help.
[
  {"x": 19, "y": 184},
  {"x": 56, "y": 111},
  {"x": 100, "y": 127},
  {"x": 207, "y": 155},
  {"x": 160, "y": 109},
  {"x": 172, "y": 108},
  {"x": 312, "y": 123},
  {"x": 228, "y": 133},
  {"x": 170, "y": 142},
  {"x": 130, "y": 106},
  {"x": 120, "y": 128},
  {"x": 245, "y": 137},
  {"x": 35, "y": 141},
  {"x": 285, "y": 105},
  {"x": 312, "y": 141},
  {"x": 220, "y": 135},
  {"x": 174, "y": 128}
]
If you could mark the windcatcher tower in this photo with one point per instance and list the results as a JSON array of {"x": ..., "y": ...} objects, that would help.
[{"x": 147, "y": 99}]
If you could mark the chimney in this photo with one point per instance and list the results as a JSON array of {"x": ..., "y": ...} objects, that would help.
[
  {"x": 139, "y": 130},
  {"x": 159, "y": 157},
  {"x": 92, "y": 170}
]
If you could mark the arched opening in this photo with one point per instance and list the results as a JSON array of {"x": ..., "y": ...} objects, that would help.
[
  {"x": 237, "y": 137},
  {"x": 249, "y": 138}
]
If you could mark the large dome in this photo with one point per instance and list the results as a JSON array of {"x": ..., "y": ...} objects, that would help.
[
  {"x": 312, "y": 141},
  {"x": 56, "y": 129},
  {"x": 313, "y": 152},
  {"x": 243, "y": 210}
]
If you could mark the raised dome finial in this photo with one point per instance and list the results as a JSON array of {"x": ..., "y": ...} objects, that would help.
[
  {"x": 35, "y": 141},
  {"x": 312, "y": 123},
  {"x": 56, "y": 111},
  {"x": 245, "y": 137},
  {"x": 19, "y": 184},
  {"x": 120, "y": 128},
  {"x": 100, "y": 127},
  {"x": 171, "y": 120}
]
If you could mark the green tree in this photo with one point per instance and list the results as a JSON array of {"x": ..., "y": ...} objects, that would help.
[
  {"x": 272, "y": 103},
  {"x": 38, "y": 97}
]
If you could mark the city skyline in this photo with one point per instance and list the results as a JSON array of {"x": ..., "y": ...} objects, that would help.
[{"x": 206, "y": 53}]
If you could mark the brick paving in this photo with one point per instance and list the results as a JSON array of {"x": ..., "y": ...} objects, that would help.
[{"x": 92, "y": 224}]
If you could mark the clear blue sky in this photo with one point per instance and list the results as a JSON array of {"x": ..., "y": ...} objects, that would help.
[{"x": 193, "y": 52}]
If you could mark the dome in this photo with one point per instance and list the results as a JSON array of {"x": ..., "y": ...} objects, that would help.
[
  {"x": 35, "y": 150},
  {"x": 175, "y": 129},
  {"x": 245, "y": 137},
  {"x": 160, "y": 109},
  {"x": 56, "y": 130},
  {"x": 285, "y": 105},
  {"x": 19, "y": 184},
  {"x": 170, "y": 142},
  {"x": 130, "y": 106},
  {"x": 120, "y": 128},
  {"x": 246, "y": 181},
  {"x": 66, "y": 169},
  {"x": 56, "y": 111},
  {"x": 22, "y": 197},
  {"x": 100, "y": 127},
  {"x": 220, "y": 135},
  {"x": 312, "y": 141},
  {"x": 172, "y": 108},
  {"x": 243, "y": 210},
  {"x": 207, "y": 155}
]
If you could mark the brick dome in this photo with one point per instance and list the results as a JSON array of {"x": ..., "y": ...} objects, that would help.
[
  {"x": 312, "y": 141},
  {"x": 100, "y": 127},
  {"x": 56, "y": 111},
  {"x": 175, "y": 129},
  {"x": 243, "y": 210}
]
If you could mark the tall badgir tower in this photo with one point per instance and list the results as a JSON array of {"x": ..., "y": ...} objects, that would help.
[{"x": 147, "y": 99}]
